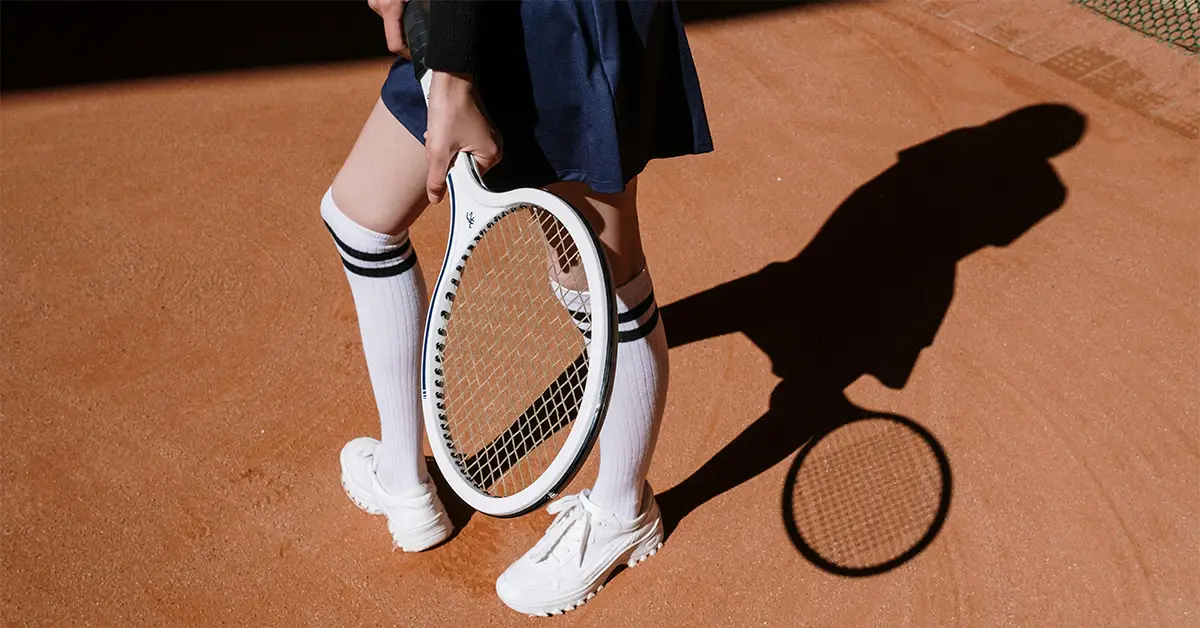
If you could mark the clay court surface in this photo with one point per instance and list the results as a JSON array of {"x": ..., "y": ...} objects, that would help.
[{"x": 181, "y": 363}]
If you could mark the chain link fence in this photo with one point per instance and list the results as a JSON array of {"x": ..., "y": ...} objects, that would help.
[{"x": 1174, "y": 22}]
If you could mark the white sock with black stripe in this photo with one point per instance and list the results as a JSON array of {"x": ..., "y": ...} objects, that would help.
[
  {"x": 390, "y": 298},
  {"x": 638, "y": 398}
]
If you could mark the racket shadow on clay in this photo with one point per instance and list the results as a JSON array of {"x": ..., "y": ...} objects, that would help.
[
  {"x": 867, "y": 496},
  {"x": 865, "y": 297}
]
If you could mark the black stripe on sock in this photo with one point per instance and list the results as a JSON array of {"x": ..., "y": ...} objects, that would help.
[
  {"x": 370, "y": 257},
  {"x": 636, "y": 312},
  {"x": 386, "y": 271},
  {"x": 641, "y": 332},
  {"x": 622, "y": 317}
]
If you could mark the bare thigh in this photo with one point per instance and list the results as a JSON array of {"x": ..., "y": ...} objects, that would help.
[
  {"x": 381, "y": 186},
  {"x": 615, "y": 219}
]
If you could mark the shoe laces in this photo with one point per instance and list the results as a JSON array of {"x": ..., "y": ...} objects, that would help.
[{"x": 572, "y": 516}]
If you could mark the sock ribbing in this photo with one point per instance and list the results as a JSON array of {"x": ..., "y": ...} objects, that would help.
[
  {"x": 390, "y": 299},
  {"x": 630, "y": 429}
]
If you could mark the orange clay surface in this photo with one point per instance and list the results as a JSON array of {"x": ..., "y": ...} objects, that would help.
[{"x": 181, "y": 363}]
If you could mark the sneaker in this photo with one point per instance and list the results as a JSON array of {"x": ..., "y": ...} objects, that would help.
[
  {"x": 417, "y": 520},
  {"x": 579, "y": 551}
]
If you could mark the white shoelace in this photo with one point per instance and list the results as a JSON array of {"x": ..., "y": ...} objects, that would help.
[{"x": 571, "y": 512}]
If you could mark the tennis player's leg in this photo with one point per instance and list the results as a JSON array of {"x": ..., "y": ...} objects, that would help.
[
  {"x": 375, "y": 197},
  {"x": 639, "y": 392},
  {"x": 619, "y": 511}
]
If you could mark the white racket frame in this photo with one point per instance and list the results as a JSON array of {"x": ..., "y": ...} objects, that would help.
[{"x": 470, "y": 197}]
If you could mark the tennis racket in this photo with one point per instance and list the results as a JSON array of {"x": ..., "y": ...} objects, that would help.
[{"x": 521, "y": 337}]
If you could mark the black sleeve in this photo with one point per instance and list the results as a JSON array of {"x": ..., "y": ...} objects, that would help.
[{"x": 453, "y": 35}]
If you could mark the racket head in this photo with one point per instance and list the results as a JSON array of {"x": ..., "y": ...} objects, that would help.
[
  {"x": 866, "y": 496},
  {"x": 514, "y": 383}
]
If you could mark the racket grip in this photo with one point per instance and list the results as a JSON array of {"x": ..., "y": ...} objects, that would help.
[{"x": 415, "y": 21}]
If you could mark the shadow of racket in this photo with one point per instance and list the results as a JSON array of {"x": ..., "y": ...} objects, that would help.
[
  {"x": 867, "y": 496},
  {"x": 531, "y": 429}
]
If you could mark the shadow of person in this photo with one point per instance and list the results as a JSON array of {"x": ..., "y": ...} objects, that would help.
[{"x": 871, "y": 289}]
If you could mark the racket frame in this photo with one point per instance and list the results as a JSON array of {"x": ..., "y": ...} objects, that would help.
[{"x": 469, "y": 196}]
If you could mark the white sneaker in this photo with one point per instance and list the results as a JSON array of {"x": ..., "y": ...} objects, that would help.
[
  {"x": 583, "y": 545},
  {"x": 416, "y": 520}
]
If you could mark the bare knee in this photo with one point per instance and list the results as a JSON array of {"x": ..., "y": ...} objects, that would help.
[
  {"x": 614, "y": 218},
  {"x": 381, "y": 186},
  {"x": 374, "y": 210}
]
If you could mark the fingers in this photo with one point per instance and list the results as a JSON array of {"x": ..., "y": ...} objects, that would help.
[
  {"x": 487, "y": 158},
  {"x": 440, "y": 157},
  {"x": 395, "y": 36},
  {"x": 456, "y": 124},
  {"x": 392, "y": 12}
]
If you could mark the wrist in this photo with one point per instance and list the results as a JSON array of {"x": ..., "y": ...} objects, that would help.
[{"x": 452, "y": 82}]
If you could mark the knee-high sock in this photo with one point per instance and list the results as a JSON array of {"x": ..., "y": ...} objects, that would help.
[
  {"x": 390, "y": 298},
  {"x": 639, "y": 395}
]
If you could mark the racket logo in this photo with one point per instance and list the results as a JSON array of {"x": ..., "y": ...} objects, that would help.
[{"x": 470, "y": 219}]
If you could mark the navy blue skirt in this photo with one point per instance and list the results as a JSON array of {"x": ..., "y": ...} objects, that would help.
[{"x": 597, "y": 90}]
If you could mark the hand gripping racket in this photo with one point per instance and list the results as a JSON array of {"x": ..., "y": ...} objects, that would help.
[{"x": 521, "y": 336}]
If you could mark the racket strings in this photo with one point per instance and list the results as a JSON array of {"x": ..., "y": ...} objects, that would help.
[
  {"x": 515, "y": 360},
  {"x": 487, "y": 465}
]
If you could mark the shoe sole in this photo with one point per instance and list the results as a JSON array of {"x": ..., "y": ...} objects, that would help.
[
  {"x": 429, "y": 541},
  {"x": 412, "y": 548},
  {"x": 636, "y": 558},
  {"x": 427, "y": 544},
  {"x": 373, "y": 510}
]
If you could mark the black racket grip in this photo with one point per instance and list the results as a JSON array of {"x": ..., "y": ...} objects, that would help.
[{"x": 416, "y": 33}]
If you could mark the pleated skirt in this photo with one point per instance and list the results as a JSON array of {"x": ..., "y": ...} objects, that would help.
[{"x": 580, "y": 90}]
